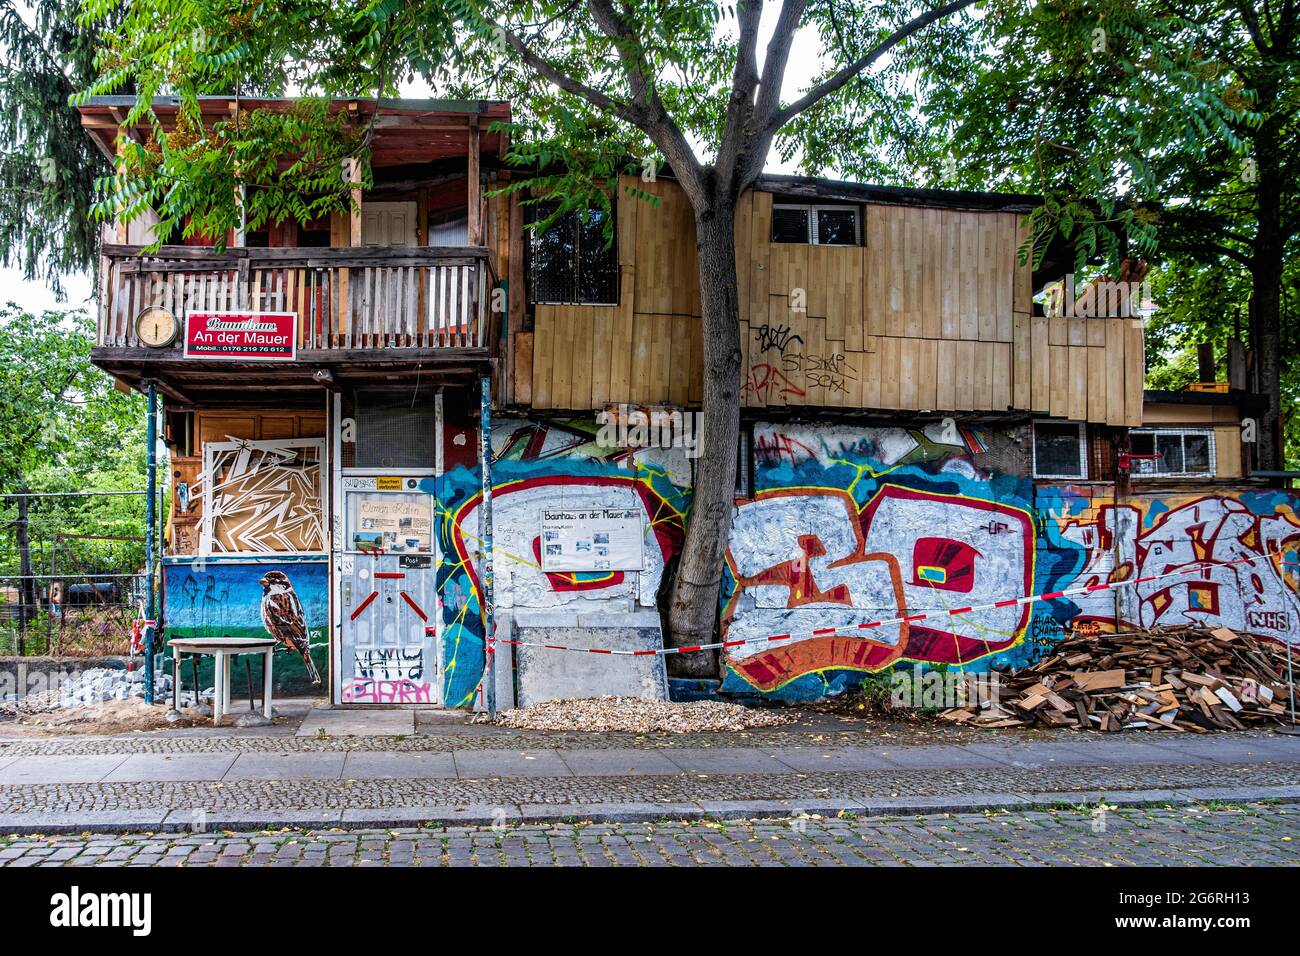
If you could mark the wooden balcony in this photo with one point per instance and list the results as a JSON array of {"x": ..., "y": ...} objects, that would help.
[
  {"x": 366, "y": 313},
  {"x": 369, "y": 297}
]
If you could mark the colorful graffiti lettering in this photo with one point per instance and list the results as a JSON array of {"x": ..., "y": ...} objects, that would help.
[
  {"x": 1171, "y": 535},
  {"x": 367, "y": 690},
  {"x": 858, "y": 563},
  {"x": 778, "y": 446}
]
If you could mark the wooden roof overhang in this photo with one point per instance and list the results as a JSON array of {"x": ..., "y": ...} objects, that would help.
[
  {"x": 404, "y": 131},
  {"x": 300, "y": 383}
]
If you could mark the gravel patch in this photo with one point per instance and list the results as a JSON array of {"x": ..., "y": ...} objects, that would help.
[{"x": 635, "y": 715}]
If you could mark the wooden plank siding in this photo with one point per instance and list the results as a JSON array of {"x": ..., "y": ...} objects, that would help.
[{"x": 932, "y": 313}]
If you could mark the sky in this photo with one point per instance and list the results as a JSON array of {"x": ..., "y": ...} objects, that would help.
[
  {"x": 806, "y": 59},
  {"x": 37, "y": 297}
]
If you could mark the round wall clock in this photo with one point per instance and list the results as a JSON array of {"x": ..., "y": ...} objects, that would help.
[{"x": 156, "y": 327}]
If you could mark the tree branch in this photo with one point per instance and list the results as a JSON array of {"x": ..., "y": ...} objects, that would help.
[
  {"x": 651, "y": 117},
  {"x": 744, "y": 81},
  {"x": 1251, "y": 21},
  {"x": 565, "y": 82},
  {"x": 759, "y": 141},
  {"x": 782, "y": 116}
]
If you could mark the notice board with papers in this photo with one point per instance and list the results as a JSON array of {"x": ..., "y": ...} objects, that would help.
[{"x": 598, "y": 539}]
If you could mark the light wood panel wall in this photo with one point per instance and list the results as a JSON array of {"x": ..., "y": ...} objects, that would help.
[{"x": 931, "y": 313}]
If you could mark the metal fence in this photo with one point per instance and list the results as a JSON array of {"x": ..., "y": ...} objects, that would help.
[{"x": 72, "y": 579}]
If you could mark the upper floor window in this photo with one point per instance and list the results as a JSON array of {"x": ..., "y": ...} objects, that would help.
[
  {"x": 816, "y": 225},
  {"x": 1060, "y": 450},
  {"x": 571, "y": 262},
  {"x": 1174, "y": 452}
]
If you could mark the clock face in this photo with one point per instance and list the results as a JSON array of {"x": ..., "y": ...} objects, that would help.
[{"x": 155, "y": 327}]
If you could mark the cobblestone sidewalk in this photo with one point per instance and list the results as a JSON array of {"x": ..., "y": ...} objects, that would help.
[{"x": 1255, "y": 834}]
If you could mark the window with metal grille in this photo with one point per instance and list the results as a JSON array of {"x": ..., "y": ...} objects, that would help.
[
  {"x": 571, "y": 262},
  {"x": 393, "y": 430},
  {"x": 1178, "y": 452},
  {"x": 816, "y": 225},
  {"x": 1060, "y": 450}
]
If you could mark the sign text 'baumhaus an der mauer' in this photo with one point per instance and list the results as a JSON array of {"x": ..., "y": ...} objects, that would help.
[{"x": 247, "y": 336}]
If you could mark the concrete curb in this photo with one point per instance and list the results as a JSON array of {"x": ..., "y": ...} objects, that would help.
[{"x": 185, "y": 821}]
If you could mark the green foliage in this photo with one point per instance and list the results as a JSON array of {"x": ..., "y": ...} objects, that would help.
[
  {"x": 1210, "y": 302},
  {"x": 65, "y": 428},
  {"x": 264, "y": 166},
  {"x": 48, "y": 166},
  {"x": 1074, "y": 100},
  {"x": 265, "y": 160}
]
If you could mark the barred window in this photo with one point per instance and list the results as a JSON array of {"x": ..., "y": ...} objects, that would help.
[
  {"x": 1175, "y": 452},
  {"x": 816, "y": 225},
  {"x": 1060, "y": 450},
  {"x": 571, "y": 263}
]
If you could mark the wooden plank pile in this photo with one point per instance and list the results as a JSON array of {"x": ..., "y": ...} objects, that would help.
[{"x": 1177, "y": 679}]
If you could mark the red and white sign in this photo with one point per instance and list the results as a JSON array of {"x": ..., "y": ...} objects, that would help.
[{"x": 246, "y": 336}]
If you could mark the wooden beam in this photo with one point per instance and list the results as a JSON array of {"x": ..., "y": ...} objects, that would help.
[
  {"x": 120, "y": 227},
  {"x": 352, "y": 172},
  {"x": 519, "y": 367},
  {"x": 474, "y": 200}
]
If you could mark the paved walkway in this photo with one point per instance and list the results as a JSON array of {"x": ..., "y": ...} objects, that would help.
[
  {"x": 1250, "y": 835},
  {"x": 243, "y": 780}
]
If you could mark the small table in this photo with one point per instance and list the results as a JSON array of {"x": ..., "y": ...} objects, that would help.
[{"x": 223, "y": 649}]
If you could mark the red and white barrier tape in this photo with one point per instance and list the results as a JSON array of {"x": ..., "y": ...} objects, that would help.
[{"x": 905, "y": 619}]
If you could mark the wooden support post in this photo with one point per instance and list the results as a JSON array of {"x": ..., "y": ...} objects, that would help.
[
  {"x": 475, "y": 200},
  {"x": 485, "y": 536},
  {"x": 343, "y": 310},
  {"x": 121, "y": 234},
  {"x": 514, "y": 293},
  {"x": 151, "y": 483},
  {"x": 352, "y": 170}
]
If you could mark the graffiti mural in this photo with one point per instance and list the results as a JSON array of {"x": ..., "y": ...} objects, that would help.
[
  {"x": 1249, "y": 540},
  {"x": 262, "y": 496},
  {"x": 224, "y": 598},
  {"x": 853, "y": 525},
  {"x": 848, "y": 525},
  {"x": 856, "y": 525},
  {"x": 539, "y": 466}
]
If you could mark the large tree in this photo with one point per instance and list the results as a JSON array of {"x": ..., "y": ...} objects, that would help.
[
  {"x": 1166, "y": 128},
  {"x": 684, "y": 81},
  {"x": 1237, "y": 212},
  {"x": 48, "y": 166}
]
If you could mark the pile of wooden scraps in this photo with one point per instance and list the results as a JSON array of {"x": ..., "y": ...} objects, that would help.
[{"x": 1179, "y": 679}]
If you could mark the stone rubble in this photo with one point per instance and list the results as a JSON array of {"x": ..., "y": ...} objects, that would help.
[
  {"x": 93, "y": 686},
  {"x": 636, "y": 715}
]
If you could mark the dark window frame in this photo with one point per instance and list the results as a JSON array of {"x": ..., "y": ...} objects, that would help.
[
  {"x": 1148, "y": 468},
  {"x": 813, "y": 237},
  {"x": 1081, "y": 431},
  {"x": 599, "y": 273}
]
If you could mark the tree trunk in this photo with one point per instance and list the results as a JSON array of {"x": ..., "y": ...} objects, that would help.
[
  {"x": 1266, "y": 295},
  {"x": 694, "y": 608}
]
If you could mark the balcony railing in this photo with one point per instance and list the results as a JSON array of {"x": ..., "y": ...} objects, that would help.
[{"x": 369, "y": 297}]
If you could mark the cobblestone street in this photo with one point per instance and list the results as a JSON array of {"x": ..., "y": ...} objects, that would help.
[
  {"x": 466, "y": 776},
  {"x": 1254, "y": 834}
]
